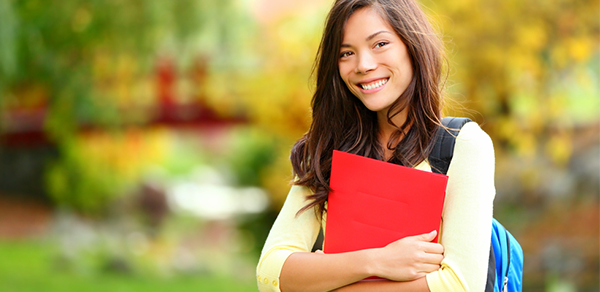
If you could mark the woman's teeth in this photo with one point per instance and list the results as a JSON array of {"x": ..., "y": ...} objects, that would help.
[{"x": 374, "y": 85}]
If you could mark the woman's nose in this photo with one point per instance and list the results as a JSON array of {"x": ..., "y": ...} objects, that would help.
[{"x": 366, "y": 63}]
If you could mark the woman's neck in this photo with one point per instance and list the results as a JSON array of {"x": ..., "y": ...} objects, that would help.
[{"x": 386, "y": 130}]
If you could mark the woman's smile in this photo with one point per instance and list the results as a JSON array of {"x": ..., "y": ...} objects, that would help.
[{"x": 372, "y": 86}]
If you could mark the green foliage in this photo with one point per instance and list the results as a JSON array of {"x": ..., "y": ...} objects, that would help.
[
  {"x": 94, "y": 169},
  {"x": 55, "y": 48},
  {"x": 75, "y": 183},
  {"x": 523, "y": 68},
  {"x": 84, "y": 61},
  {"x": 251, "y": 153}
]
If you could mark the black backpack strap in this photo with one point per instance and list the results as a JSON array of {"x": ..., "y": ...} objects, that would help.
[
  {"x": 491, "y": 274},
  {"x": 505, "y": 280},
  {"x": 441, "y": 155}
]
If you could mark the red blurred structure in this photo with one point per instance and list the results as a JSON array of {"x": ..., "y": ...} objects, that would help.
[{"x": 25, "y": 126}]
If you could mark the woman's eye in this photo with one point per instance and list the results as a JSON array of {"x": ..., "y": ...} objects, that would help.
[
  {"x": 345, "y": 54},
  {"x": 380, "y": 44}
]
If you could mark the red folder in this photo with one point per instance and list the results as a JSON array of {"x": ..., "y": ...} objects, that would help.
[{"x": 373, "y": 203}]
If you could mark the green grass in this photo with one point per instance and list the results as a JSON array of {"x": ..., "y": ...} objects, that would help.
[{"x": 32, "y": 266}]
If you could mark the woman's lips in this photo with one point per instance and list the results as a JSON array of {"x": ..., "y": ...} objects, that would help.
[{"x": 372, "y": 85}]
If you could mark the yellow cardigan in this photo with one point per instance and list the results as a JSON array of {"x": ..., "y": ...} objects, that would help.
[{"x": 465, "y": 234}]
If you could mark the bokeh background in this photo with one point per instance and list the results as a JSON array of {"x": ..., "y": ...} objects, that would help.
[{"x": 145, "y": 144}]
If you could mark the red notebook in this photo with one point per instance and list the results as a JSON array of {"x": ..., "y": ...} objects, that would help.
[{"x": 373, "y": 203}]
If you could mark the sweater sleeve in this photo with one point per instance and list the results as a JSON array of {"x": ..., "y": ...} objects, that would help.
[
  {"x": 467, "y": 215},
  {"x": 281, "y": 243}
]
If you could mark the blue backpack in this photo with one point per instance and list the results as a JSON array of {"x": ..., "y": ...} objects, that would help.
[{"x": 505, "y": 269}]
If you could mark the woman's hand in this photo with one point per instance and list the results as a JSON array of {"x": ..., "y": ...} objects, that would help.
[{"x": 408, "y": 258}]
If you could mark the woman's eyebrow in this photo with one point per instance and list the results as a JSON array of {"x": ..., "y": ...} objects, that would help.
[
  {"x": 370, "y": 37},
  {"x": 375, "y": 34}
]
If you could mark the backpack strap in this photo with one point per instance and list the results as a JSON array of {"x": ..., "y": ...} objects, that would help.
[
  {"x": 440, "y": 158},
  {"x": 443, "y": 149}
]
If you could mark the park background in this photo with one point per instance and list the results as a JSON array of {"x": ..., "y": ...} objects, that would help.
[{"x": 145, "y": 144}]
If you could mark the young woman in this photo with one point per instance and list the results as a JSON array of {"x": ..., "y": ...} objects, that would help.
[{"x": 379, "y": 95}]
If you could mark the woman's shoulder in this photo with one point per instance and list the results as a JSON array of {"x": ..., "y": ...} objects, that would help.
[
  {"x": 471, "y": 131},
  {"x": 298, "y": 195},
  {"x": 300, "y": 190},
  {"x": 473, "y": 140}
]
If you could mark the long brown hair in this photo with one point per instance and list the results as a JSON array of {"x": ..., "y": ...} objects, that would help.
[{"x": 341, "y": 122}]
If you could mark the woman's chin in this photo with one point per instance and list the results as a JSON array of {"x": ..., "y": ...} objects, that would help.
[{"x": 374, "y": 107}]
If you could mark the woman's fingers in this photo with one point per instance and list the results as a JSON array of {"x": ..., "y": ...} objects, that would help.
[
  {"x": 409, "y": 258},
  {"x": 426, "y": 236},
  {"x": 425, "y": 243},
  {"x": 428, "y": 268},
  {"x": 430, "y": 247},
  {"x": 431, "y": 258}
]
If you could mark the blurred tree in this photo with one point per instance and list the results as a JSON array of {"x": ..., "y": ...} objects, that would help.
[
  {"x": 87, "y": 62},
  {"x": 96, "y": 168},
  {"x": 276, "y": 90},
  {"x": 527, "y": 71}
]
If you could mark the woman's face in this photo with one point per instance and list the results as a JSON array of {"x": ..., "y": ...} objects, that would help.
[{"x": 374, "y": 62}]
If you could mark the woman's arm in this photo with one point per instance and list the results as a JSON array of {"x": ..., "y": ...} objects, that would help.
[
  {"x": 407, "y": 259},
  {"x": 386, "y": 286},
  {"x": 289, "y": 234},
  {"x": 467, "y": 215},
  {"x": 286, "y": 263}
]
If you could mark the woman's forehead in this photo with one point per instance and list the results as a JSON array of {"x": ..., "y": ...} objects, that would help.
[{"x": 363, "y": 23}]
